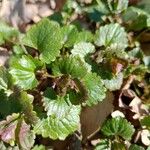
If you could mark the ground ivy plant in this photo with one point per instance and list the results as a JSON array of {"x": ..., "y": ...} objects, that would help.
[{"x": 57, "y": 68}]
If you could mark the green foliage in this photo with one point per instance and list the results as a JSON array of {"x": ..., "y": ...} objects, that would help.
[
  {"x": 22, "y": 71},
  {"x": 70, "y": 34},
  {"x": 135, "y": 147},
  {"x": 114, "y": 83},
  {"x": 103, "y": 144},
  {"x": 7, "y": 33},
  {"x": 118, "y": 127},
  {"x": 63, "y": 118},
  {"x": 64, "y": 65},
  {"x": 73, "y": 66},
  {"x": 95, "y": 88},
  {"x": 46, "y": 38},
  {"x": 145, "y": 121},
  {"x": 3, "y": 78},
  {"x": 82, "y": 49},
  {"x": 111, "y": 36},
  {"x": 117, "y": 6}
]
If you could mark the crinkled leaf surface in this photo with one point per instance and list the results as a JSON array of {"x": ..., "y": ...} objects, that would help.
[
  {"x": 118, "y": 127},
  {"x": 73, "y": 66},
  {"x": 22, "y": 71},
  {"x": 46, "y": 38},
  {"x": 95, "y": 88},
  {"x": 82, "y": 49},
  {"x": 6, "y": 32},
  {"x": 111, "y": 36},
  {"x": 85, "y": 36},
  {"x": 114, "y": 83},
  {"x": 55, "y": 104},
  {"x": 103, "y": 145},
  {"x": 70, "y": 34},
  {"x": 63, "y": 118},
  {"x": 117, "y": 6}
]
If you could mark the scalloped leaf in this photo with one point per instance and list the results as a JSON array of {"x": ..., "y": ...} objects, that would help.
[
  {"x": 114, "y": 83},
  {"x": 85, "y": 36},
  {"x": 59, "y": 126},
  {"x": 96, "y": 91},
  {"x": 46, "y": 38},
  {"x": 73, "y": 66},
  {"x": 22, "y": 71},
  {"x": 7, "y": 33},
  {"x": 117, "y": 6},
  {"x": 82, "y": 49},
  {"x": 55, "y": 105},
  {"x": 118, "y": 127},
  {"x": 111, "y": 36},
  {"x": 104, "y": 144}
]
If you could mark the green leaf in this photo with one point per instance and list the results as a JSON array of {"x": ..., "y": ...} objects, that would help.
[
  {"x": 3, "y": 78},
  {"x": 25, "y": 101},
  {"x": 111, "y": 36},
  {"x": 136, "y": 53},
  {"x": 136, "y": 18},
  {"x": 145, "y": 121},
  {"x": 70, "y": 34},
  {"x": 85, "y": 36},
  {"x": 103, "y": 145},
  {"x": 82, "y": 49},
  {"x": 73, "y": 66},
  {"x": 7, "y": 33},
  {"x": 118, "y": 127},
  {"x": 46, "y": 38},
  {"x": 8, "y": 104},
  {"x": 117, "y": 6},
  {"x": 95, "y": 88},
  {"x": 114, "y": 83},
  {"x": 136, "y": 147},
  {"x": 39, "y": 147},
  {"x": 63, "y": 118},
  {"x": 22, "y": 71},
  {"x": 55, "y": 105}
]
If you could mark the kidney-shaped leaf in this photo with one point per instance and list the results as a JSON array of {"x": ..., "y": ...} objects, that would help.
[
  {"x": 22, "y": 71},
  {"x": 46, "y": 38},
  {"x": 112, "y": 36},
  {"x": 118, "y": 127}
]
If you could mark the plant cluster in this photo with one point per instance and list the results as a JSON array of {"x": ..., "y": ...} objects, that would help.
[{"x": 59, "y": 66}]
